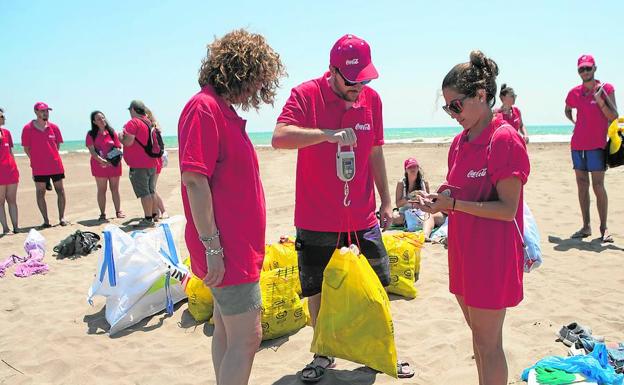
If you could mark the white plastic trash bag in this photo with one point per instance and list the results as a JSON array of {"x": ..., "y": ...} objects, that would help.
[
  {"x": 532, "y": 249},
  {"x": 413, "y": 219},
  {"x": 140, "y": 274},
  {"x": 440, "y": 232}
]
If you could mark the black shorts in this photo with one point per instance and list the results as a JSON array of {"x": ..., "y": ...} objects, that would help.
[
  {"x": 46, "y": 178},
  {"x": 315, "y": 249}
]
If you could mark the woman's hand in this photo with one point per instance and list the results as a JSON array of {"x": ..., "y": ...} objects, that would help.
[
  {"x": 432, "y": 203},
  {"x": 216, "y": 270},
  {"x": 102, "y": 161}
]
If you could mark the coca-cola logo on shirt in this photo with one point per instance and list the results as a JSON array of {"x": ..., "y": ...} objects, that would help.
[
  {"x": 477, "y": 174},
  {"x": 363, "y": 127}
]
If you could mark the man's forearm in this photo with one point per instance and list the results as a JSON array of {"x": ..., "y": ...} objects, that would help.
[{"x": 288, "y": 136}]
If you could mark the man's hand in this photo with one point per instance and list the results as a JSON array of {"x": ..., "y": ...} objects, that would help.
[
  {"x": 344, "y": 136},
  {"x": 216, "y": 270},
  {"x": 385, "y": 215}
]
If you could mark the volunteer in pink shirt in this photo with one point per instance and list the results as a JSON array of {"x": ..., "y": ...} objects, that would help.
[
  {"x": 222, "y": 193},
  {"x": 595, "y": 107},
  {"x": 510, "y": 113},
  {"x": 100, "y": 141},
  {"x": 338, "y": 108},
  {"x": 142, "y": 172},
  {"x": 9, "y": 178},
  {"x": 42, "y": 140},
  {"x": 159, "y": 211},
  {"x": 488, "y": 166}
]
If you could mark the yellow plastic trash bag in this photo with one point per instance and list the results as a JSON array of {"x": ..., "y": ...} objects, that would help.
[
  {"x": 200, "y": 301},
  {"x": 354, "y": 321},
  {"x": 616, "y": 141},
  {"x": 280, "y": 255},
  {"x": 404, "y": 257},
  {"x": 282, "y": 310}
]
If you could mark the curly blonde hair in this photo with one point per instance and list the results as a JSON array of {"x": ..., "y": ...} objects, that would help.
[{"x": 242, "y": 68}]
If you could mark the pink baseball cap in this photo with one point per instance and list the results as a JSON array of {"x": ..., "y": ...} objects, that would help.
[
  {"x": 352, "y": 56},
  {"x": 586, "y": 61},
  {"x": 410, "y": 162},
  {"x": 40, "y": 106}
]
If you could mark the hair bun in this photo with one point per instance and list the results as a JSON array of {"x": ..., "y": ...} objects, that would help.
[
  {"x": 483, "y": 63},
  {"x": 503, "y": 86}
]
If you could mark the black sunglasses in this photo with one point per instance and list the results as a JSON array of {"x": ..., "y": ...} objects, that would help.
[
  {"x": 349, "y": 83},
  {"x": 456, "y": 106},
  {"x": 585, "y": 69}
]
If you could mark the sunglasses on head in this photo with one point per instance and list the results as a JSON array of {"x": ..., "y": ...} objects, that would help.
[
  {"x": 349, "y": 83},
  {"x": 456, "y": 106},
  {"x": 585, "y": 69}
]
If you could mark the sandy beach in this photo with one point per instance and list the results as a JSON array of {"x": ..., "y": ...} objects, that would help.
[{"x": 49, "y": 334}]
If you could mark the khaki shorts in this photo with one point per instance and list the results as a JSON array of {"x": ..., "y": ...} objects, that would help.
[
  {"x": 237, "y": 299},
  {"x": 143, "y": 181}
]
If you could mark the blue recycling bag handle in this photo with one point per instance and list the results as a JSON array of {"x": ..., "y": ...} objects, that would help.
[
  {"x": 172, "y": 255},
  {"x": 109, "y": 263},
  {"x": 169, "y": 305}
]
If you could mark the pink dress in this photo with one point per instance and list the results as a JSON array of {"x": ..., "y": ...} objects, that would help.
[
  {"x": 9, "y": 173},
  {"x": 103, "y": 144},
  {"x": 485, "y": 256}
]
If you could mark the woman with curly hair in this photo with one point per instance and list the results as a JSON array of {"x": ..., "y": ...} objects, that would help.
[
  {"x": 488, "y": 165},
  {"x": 226, "y": 220}
]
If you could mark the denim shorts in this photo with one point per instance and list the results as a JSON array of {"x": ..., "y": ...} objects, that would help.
[
  {"x": 237, "y": 299},
  {"x": 589, "y": 160},
  {"x": 315, "y": 248}
]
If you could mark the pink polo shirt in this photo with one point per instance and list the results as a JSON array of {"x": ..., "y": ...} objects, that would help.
[
  {"x": 44, "y": 155},
  {"x": 319, "y": 193},
  {"x": 213, "y": 143},
  {"x": 103, "y": 144},
  {"x": 9, "y": 174},
  {"x": 134, "y": 154},
  {"x": 590, "y": 130},
  {"x": 514, "y": 117},
  {"x": 485, "y": 256}
]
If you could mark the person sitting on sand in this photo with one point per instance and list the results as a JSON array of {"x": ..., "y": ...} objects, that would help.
[{"x": 414, "y": 180}]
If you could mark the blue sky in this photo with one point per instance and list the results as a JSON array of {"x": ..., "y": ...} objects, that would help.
[{"x": 79, "y": 56}]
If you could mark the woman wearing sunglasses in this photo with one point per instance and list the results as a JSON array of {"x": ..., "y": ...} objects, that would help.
[
  {"x": 488, "y": 165},
  {"x": 509, "y": 112},
  {"x": 9, "y": 178}
]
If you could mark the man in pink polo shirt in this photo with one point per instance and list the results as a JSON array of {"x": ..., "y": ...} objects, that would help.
[
  {"x": 142, "y": 172},
  {"x": 595, "y": 109},
  {"x": 42, "y": 140},
  {"x": 336, "y": 109},
  {"x": 223, "y": 196}
]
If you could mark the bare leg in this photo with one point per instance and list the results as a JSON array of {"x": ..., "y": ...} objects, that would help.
[
  {"x": 159, "y": 206},
  {"x": 3, "y": 220},
  {"x": 219, "y": 340},
  {"x": 582, "y": 183},
  {"x": 40, "y": 188},
  {"x": 487, "y": 331},
  {"x": 114, "y": 186},
  {"x": 147, "y": 202},
  {"x": 101, "y": 194},
  {"x": 243, "y": 334},
  {"x": 60, "y": 201},
  {"x": 464, "y": 308},
  {"x": 602, "y": 201},
  {"x": 11, "y": 198}
]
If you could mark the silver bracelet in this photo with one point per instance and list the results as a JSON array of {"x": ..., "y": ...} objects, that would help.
[
  {"x": 214, "y": 251},
  {"x": 209, "y": 238}
]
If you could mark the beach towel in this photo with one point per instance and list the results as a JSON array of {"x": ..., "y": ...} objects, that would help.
[
  {"x": 140, "y": 275},
  {"x": 32, "y": 263},
  {"x": 404, "y": 257},
  {"x": 354, "y": 321},
  {"x": 282, "y": 311}
]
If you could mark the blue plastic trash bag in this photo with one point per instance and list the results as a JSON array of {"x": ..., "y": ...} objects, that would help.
[
  {"x": 532, "y": 250},
  {"x": 594, "y": 366}
]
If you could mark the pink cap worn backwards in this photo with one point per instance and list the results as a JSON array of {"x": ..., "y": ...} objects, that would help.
[
  {"x": 40, "y": 106},
  {"x": 586, "y": 61},
  {"x": 352, "y": 56},
  {"x": 410, "y": 162}
]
